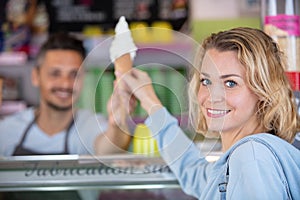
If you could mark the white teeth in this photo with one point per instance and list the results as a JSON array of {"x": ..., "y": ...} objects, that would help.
[
  {"x": 217, "y": 112},
  {"x": 63, "y": 94}
]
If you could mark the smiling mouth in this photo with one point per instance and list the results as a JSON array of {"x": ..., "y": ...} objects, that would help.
[
  {"x": 217, "y": 112},
  {"x": 63, "y": 93}
]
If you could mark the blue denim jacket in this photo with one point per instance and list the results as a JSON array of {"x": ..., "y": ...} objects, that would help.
[
  {"x": 297, "y": 138},
  {"x": 260, "y": 166}
]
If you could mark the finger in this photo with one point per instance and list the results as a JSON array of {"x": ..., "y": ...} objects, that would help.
[
  {"x": 127, "y": 79},
  {"x": 132, "y": 104},
  {"x": 122, "y": 88},
  {"x": 117, "y": 73},
  {"x": 114, "y": 99},
  {"x": 115, "y": 83}
]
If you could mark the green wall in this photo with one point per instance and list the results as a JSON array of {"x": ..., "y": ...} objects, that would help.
[{"x": 203, "y": 28}]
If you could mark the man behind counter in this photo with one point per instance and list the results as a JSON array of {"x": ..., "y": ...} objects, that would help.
[{"x": 55, "y": 127}]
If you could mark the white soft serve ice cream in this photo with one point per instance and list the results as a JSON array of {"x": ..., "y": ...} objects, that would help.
[{"x": 123, "y": 42}]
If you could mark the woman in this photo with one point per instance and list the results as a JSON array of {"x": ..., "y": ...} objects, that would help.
[{"x": 239, "y": 91}]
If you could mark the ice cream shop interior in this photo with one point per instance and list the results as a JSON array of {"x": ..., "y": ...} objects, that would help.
[{"x": 97, "y": 102}]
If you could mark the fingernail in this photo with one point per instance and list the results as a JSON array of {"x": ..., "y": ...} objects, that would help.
[{"x": 117, "y": 73}]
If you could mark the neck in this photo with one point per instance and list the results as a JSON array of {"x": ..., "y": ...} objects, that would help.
[
  {"x": 52, "y": 121},
  {"x": 231, "y": 137}
]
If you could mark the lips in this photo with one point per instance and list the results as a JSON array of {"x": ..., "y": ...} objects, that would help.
[
  {"x": 63, "y": 93},
  {"x": 217, "y": 112}
]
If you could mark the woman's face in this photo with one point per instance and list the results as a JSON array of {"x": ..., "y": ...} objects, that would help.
[{"x": 226, "y": 101}]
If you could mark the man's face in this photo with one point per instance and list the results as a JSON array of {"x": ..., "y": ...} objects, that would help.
[{"x": 56, "y": 77}]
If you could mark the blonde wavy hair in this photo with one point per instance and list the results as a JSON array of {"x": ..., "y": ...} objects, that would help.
[{"x": 265, "y": 76}]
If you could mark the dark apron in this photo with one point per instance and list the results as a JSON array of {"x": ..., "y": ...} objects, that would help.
[
  {"x": 44, "y": 195},
  {"x": 21, "y": 151}
]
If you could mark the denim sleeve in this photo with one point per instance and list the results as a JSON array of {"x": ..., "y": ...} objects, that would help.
[
  {"x": 254, "y": 174},
  {"x": 254, "y": 183},
  {"x": 179, "y": 152}
]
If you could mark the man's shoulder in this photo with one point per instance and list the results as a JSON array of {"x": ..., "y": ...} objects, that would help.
[
  {"x": 84, "y": 115},
  {"x": 24, "y": 116},
  {"x": 86, "y": 119}
]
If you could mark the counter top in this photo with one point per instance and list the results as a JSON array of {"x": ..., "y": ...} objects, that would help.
[{"x": 69, "y": 172}]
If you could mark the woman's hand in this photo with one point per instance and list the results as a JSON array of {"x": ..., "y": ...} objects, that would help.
[
  {"x": 117, "y": 136},
  {"x": 120, "y": 106},
  {"x": 138, "y": 83}
]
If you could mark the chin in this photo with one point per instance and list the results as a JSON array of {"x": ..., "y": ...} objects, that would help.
[
  {"x": 60, "y": 107},
  {"x": 212, "y": 134},
  {"x": 215, "y": 127}
]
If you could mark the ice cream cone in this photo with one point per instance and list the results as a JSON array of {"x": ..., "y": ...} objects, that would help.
[
  {"x": 122, "y": 52},
  {"x": 123, "y": 64},
  {"x": 123, "y": 49}
]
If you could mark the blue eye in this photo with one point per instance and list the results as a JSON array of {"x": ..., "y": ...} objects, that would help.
[
  {"x": 205, "y": 82},
  {"x": 230, "y": 84}
]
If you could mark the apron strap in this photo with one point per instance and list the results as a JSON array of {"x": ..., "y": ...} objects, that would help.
[
  {"x": 20, "y": 150},
  {"x": 66, "y": 149},
  {"x": 27, "y": 130}
]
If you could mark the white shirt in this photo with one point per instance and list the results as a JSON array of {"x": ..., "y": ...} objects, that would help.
[{"x": 87, "y": 126}]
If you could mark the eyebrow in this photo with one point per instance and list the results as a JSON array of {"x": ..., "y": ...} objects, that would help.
[{"x": 223, "y": 76}]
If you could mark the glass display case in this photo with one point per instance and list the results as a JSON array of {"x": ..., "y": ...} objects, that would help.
[
  {"x": 75, "y": 172},
  {"x": 112, "y": 176}
]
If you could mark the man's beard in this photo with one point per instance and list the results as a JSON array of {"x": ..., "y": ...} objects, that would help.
[{"x": 59, "y": 108}]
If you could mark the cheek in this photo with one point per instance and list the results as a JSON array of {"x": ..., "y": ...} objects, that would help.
[
  {"x": 202, "y": 95},
  {"x": 78, "y": 84},
  {"x": 44, "y": 83},
  {"x": 246, "y": 102}
]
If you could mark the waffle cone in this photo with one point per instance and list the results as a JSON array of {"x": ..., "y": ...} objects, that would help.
[{"x": 124, "y": 63}]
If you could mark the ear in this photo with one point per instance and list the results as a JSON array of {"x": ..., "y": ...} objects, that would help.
[{"x": 35, "y": 77}]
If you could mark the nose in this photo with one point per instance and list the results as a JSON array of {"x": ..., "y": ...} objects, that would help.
[
  {"x": 216, "y": 93},
  {"x": 66, "y": 82}
]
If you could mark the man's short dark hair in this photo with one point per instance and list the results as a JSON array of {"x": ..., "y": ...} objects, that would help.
[{"x": 61, "y": 41}]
